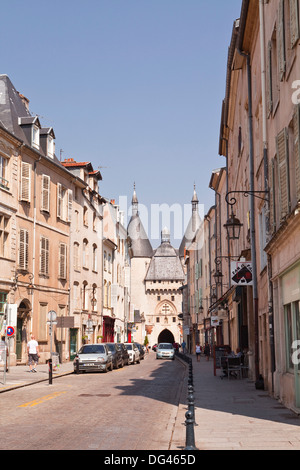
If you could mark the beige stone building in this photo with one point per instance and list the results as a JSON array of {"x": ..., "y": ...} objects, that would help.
[
  {"x": 260, "y": 141},
  {"x": 86, "y": 269},
  {"x": 35, "y": 218}
]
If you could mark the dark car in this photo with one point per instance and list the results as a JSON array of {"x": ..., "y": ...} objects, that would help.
[
  {"x": 116, "y": 355},
  {"x": 124, "y": 352},
  {"x": 141, "y": 349},
  {"x": 154, "y": 347}
]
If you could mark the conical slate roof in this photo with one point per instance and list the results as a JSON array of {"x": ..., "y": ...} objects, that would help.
[
  {"x": 139, "y": 243},
  {"x": 193, "y": 225}
]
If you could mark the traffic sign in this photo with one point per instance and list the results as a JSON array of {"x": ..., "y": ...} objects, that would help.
[{"x": 10, "y": 331}]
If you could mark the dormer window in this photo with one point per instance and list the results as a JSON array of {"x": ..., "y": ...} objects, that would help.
[
  {"x": 35, "y": 137},
  {"x": 31, "y": 127},
  {"x": 50, "y": 146},
  {"x": 47, "y": 137}
]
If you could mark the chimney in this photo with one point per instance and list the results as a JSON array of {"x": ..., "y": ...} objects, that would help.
[{"x": 25, "y": 100}]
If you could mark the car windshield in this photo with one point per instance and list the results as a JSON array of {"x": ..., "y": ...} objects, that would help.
[
  {"x": 111, "y": 346},
  {"x": 128, "y": 347},
  {"x": 92, "y": 349},
  {"x": 165, "y": 346}
]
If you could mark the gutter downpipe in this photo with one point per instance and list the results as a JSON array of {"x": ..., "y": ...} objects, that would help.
[
  {"x": 266, "y": 181},
  {"x": 252, "y": 212}
]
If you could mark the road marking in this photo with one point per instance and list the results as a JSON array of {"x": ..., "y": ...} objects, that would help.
[{"x": 41, "y": 400}]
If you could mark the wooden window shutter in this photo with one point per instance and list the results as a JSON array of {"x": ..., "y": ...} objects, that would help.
[
  {"x": 283, "y": 172},
  {"x": 69, "y": 208},
  {"x": 281, "y": 41},
  {"x": 272, "y": 216},
  {"x": 269, "y": 79},
  {"x": 25, "y": 181},
  {"x": 294, "y": 21},
  {"x": 59, "y": 201},
  {"x": 46, "y": 193},
  {"x": 297, "y": 149},
  {"x": 23, "y": 249},
  {"x": 62, "y": 261},
  {"x": 44, "y": 256}
]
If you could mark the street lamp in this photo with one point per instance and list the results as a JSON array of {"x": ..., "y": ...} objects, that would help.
[{"x": 233, "y": 227}]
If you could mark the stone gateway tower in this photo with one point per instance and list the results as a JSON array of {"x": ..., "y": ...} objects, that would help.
[{"x": 156, "y": 279}]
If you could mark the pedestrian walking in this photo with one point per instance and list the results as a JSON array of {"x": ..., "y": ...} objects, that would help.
[
  {"x": 207, "y": 351},
  {"x": 198, "y": 352},
  {"x": 183, "y": 345},
  {"x": 33, "y": 354}
]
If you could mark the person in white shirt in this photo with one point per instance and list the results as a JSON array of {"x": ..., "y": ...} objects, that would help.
[
  {"x": 198, "y": 352},
  {"x": 33, "y": 354}
]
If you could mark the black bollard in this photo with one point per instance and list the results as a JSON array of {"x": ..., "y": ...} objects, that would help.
[
  {"x": 77, "y": 365},
  {"x": 50, "y": 371},
  {"x": 190, "y": 435}
]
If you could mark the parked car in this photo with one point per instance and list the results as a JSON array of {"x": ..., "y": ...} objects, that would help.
[
  {"x": 165, "y": 351},
  {"x": 154, "y": 347},
  {"x": 141, "y": 350},
  {"x": 93, "y": 357},
  {"x": 124, "y": 352},
  {"x": 134, "y": 354},
  {"x": 116, "y": 355}
]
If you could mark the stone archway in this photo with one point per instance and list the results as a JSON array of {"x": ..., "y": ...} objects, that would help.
[{"x": 166, "y": 336}]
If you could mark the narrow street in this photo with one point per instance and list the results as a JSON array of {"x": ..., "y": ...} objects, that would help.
[{"x": 128, "y": 409}]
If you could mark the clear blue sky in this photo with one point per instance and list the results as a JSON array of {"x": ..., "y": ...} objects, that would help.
[{"x": 134, "y": 86}]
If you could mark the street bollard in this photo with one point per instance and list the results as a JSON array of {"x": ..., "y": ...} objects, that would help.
[
  {"x": 191, "y": 403},
  {"x": 50, "y": 371},
  {"x": 190, "y": 435},
  {"x": 77, "y": 366}
]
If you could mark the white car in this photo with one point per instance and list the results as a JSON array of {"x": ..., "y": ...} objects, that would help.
[
  {"x": 165, "y": 351},
  {"x": 134, "y": 353}
]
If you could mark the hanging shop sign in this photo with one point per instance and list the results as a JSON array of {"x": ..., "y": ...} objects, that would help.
[{"x": 241, "y": 273}]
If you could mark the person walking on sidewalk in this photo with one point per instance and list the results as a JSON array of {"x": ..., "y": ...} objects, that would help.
[
  {"x": 198, "y": 352},
  {"x": 33, "y": 354},
  {"x": 207, "y": 351},
  {"x": 183, "y": 345}
]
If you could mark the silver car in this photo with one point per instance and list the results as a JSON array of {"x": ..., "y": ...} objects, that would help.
[
  {"x": 165, "y": 351},
  {"x": 93, "y": 357}
]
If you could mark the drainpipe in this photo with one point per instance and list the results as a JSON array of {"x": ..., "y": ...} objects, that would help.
[
  {"x": 266, "y": 180},
  {"x": 34, "y": 233},
  {"x": 252, "y": 213}
]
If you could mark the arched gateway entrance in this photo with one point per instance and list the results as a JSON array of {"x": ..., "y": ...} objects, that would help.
[{"x": 166, "y": 337}]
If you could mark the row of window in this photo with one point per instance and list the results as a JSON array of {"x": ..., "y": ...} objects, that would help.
[{"x": 23, "y": 256}]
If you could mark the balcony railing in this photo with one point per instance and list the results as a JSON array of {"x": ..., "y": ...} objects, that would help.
[{"x": 4, "y": 184}]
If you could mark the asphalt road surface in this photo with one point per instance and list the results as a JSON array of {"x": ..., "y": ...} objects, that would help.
[{"x": 133, "y": 408}]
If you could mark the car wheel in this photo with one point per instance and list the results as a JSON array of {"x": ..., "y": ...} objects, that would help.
[
  {"x": 138, "y": 361},
  {"x": 122, "y": 364}
]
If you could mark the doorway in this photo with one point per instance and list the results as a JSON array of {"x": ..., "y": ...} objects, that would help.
[{"x": 166, "y": 337}]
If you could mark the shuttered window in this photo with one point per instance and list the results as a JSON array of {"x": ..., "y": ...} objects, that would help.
[
  {"x": 294, "y": 21},
  {"x": 23, "y": 249},
  {"x": 297, "y": 149},
  {"x": 62, "y": 271},
  {"x": 59, "y": 201},
  {"x": 272, "y": 216},
  {"x": 44, "y": 256},
  {"x": 45, "y": 193},
  {"x": 69, "y": 205},
  {"x": 25, "y": 182},
  {"x": 281, "y": 41},
  {"x": 4, "y": 236},
  {"x": 283, "y": 173}
]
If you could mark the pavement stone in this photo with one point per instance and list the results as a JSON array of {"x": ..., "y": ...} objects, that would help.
[
  {"x": 233, "y": 415},
  {"x": 229, "y": 414}
]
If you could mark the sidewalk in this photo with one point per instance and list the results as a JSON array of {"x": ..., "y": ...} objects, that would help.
[
  {"x": 19, "y": 376},
  {"x": 233, "y": 415}
]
